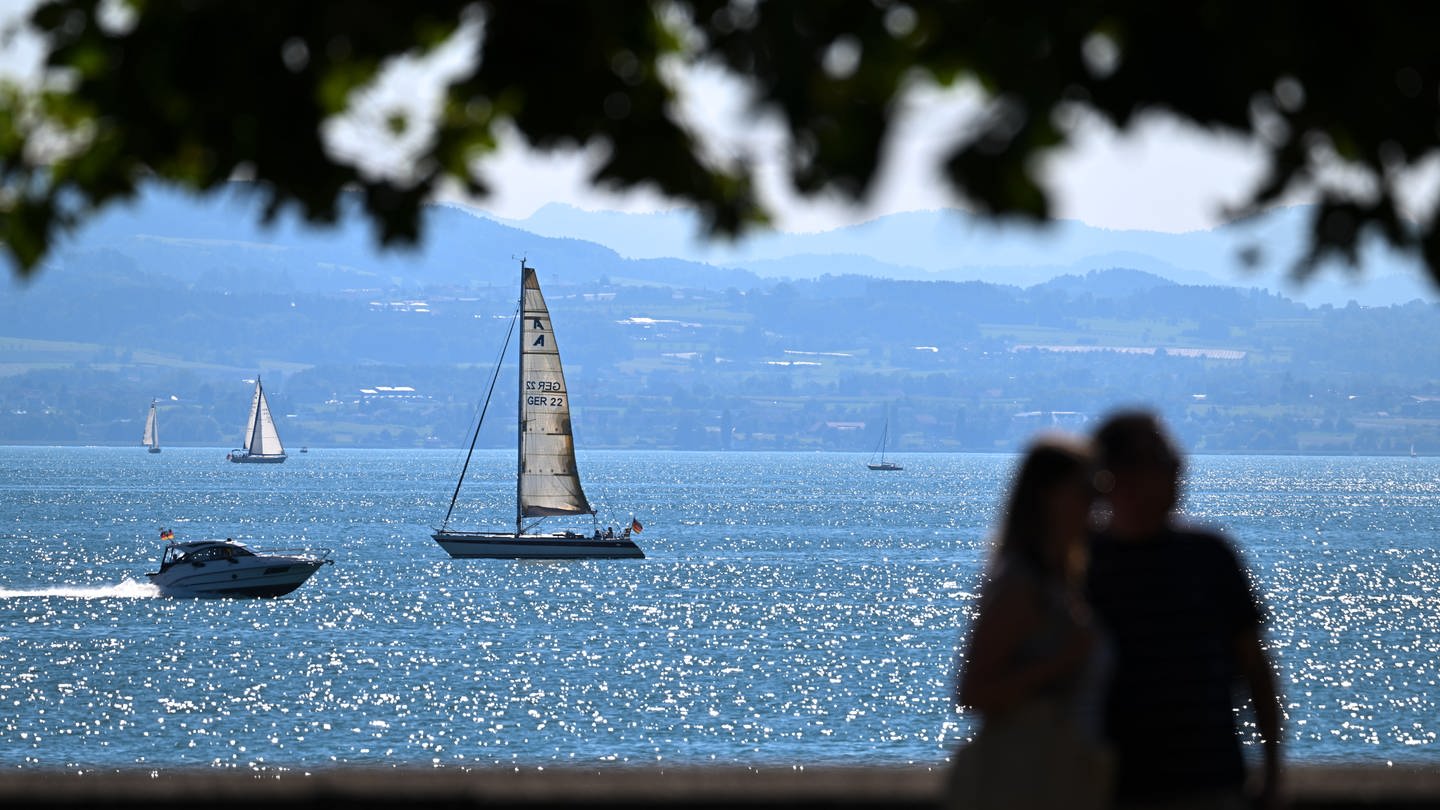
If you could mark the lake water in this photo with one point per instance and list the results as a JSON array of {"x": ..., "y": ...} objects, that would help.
[{"x": 793, "y": 608}]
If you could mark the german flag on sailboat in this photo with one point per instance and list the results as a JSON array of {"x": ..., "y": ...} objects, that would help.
[{"x": 635, "y": 526}]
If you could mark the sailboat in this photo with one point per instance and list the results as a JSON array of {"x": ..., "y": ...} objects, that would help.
[
  {"x": 152, "y": 431},
  {"x": 262, "y": 440},
  {"x": 882, "y": 464},
  {"x": 547, "y": 481}
]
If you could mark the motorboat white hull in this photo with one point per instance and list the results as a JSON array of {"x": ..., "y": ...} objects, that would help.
[
  {"x": 273, "y": 576},
  {"x": 225, "y": 568},
  {"x": 563, "y": 546}
]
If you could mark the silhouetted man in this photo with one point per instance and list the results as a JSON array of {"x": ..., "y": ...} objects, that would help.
[{"x": 1185, "y": 627}]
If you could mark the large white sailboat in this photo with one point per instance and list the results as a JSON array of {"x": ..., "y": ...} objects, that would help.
[
  {"x": 547, "y": 482},
  {"x": 262, "y": 440},
  {"x": 152, "y": 431}
]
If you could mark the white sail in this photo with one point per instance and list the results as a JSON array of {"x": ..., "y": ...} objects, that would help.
[
  {"x": 254, "y": 408},
  {"x": 549, "y": 480},
  {"x": 152, "y": 430},
  {"x": 261, "y": 437}
]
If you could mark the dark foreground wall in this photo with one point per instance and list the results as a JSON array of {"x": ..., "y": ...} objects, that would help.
[{"x": 1370, "y": 786}]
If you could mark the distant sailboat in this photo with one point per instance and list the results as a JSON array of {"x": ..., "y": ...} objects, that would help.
[
  {"x": 152, "y": 431},
  {"x": 547, "y": 481},
  {"x": 262, "y": 440},
  {"x": 882, "y": 464}
]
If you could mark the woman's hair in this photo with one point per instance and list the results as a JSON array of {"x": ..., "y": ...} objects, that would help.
[{"x": 1050, "y": 462}]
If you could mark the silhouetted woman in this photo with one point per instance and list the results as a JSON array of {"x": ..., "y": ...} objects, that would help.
[{"x": 1031, "y": 668}]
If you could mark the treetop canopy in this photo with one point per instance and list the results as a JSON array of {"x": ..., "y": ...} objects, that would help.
[{"x": 198, "y": 93}]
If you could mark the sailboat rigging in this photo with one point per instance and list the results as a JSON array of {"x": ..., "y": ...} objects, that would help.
[
  {"x": 547, "y": 480},
  {"x": 151, "y": 438},
  {"x": 882, "y": 464},
  {"x": 262, "y": 440}
]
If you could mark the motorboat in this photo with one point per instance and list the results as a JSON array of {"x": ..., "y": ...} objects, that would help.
[{"x": 228, "y": 568}]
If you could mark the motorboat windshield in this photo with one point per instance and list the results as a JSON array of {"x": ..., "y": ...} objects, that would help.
[{"x": 203, "y": 551}]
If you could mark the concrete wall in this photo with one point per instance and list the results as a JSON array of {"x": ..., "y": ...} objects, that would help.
[{"x": 1368, "y": 786}]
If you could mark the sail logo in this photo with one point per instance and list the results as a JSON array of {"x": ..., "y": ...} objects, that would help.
[{"x": 539, "y": 326}]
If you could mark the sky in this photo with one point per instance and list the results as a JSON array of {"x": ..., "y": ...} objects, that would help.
[{"x": 1161, "y": 175}]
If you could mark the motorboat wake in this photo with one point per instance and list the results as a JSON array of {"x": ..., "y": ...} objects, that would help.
[{"x": 128, "y": 589}]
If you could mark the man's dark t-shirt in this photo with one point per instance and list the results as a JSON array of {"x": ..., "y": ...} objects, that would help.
[{"x": 1172, "y": 606}]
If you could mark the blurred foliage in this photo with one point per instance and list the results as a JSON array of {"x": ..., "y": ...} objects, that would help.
[{"x": 198, "y": 92}]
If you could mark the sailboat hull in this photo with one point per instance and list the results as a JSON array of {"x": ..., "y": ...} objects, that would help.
[
  {"x": 507, "y": 546},
  {"x": 154, "y": 449},
  {"x": 250, "y": 458}
]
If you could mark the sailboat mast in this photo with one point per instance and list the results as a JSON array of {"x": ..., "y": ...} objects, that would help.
[{"x": 520, "y": 412}]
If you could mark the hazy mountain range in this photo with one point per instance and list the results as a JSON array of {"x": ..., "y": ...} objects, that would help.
[
  {"x": 953, "y": 245},
  {"x": 182, "y": 236}
]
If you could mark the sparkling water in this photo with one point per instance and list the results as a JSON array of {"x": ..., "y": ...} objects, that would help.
[{"x": 792, "y": 608}]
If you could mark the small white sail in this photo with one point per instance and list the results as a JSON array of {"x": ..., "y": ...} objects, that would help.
[
  {"x": 152, "y": 429},
  {"x": 262, "y": 439},
  {"x": 250, "y": 422},
  {"x": 549, "y": 480}
]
